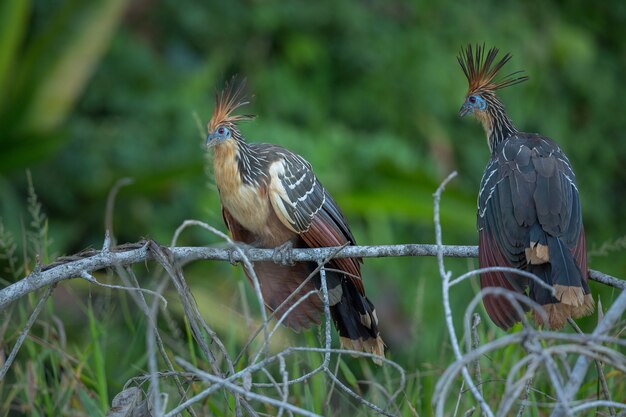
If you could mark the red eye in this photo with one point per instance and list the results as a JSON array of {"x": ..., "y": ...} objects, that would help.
[
  {"x": 220, "y": 131},
  {"x": 472, "y": 99}
]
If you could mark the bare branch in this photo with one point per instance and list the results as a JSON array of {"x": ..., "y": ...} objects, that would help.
[
  {"x": 445, "y": 281},
  {"x": 93, "y": 260}
]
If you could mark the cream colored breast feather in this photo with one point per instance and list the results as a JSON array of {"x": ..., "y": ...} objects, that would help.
[{"x": 244, "y": 202}]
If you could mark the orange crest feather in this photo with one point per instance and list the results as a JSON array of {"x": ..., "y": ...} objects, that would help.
[
  {"x": 481, "y": 72},
  {"x": 226, "y": 102}
]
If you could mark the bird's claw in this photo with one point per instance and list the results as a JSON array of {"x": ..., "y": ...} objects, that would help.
[
  {"x": 282, "y": 254},
  {"x": 231, "y": 255},
  {"x": 235, "y": 250}
]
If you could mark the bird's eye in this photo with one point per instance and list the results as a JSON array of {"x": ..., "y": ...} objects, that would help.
[
  {"x": 472, "y": 99},
  {"x": 220, "y": 131}
]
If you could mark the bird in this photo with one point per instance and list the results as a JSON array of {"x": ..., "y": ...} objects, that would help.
[
  {"x": 271, "y": 198},
  {"x": 529, "y": 214}
]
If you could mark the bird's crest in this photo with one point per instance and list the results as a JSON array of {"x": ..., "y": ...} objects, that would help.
[
  {"x": 481, "y": 71},
  {"x": 227, "y": 101}
]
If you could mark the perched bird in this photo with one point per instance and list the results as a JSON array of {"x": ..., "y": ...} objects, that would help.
[
  {"x": 272, "y": 199},
  {"x": 529, "y": 214}
]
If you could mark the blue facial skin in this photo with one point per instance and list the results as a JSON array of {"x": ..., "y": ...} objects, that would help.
[
  {"x": 220, "y": 134},
  {"x": 473, "y": 102}
]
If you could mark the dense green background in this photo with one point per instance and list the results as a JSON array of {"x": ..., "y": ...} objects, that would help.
[{"x": 367, "y": 91}]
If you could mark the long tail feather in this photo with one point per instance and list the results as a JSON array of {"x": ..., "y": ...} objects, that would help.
[
  {"x": 571, "y": 297},
  {"x": 355, "y": 319}
]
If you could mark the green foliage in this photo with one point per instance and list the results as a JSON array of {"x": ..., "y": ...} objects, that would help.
[{"x": 368, "y": 92}]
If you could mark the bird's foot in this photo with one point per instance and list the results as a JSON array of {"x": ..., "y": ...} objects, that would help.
[
  {"x": 235, "y": 250},
  {"x": 282, "y": 254},
  {"x": 231, "y": 255}
]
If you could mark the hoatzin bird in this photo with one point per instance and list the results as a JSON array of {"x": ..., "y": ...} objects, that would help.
[
  {"x": 272, "y": 199},
  {"x": 529, "y": 214}
]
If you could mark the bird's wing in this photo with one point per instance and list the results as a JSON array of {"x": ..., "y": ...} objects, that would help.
[
  {"x": 500, "y": 207},
  {"x": 528, "y": 192},
  {"x": 304, "y": 206},
  {"x": 529, "y": 181},
  {"x": 501, "y": 241},
  {"x": 501, "y": 311},
  {"x": 295, "y": 193},
  {"x": 556, "y": 194}
]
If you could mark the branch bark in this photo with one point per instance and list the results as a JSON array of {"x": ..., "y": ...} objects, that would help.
[{"x": 76, "y": 265}]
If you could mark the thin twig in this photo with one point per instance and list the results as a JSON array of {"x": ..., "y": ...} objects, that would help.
[
  {"x": 236, "y": 388},
  {"x": 247, "y": 263},
  {"x": 524, "y": 398},
  {"x": 110, "y": 205},
  {"x": 612, "y": 317},
  {"x": 128, "y": 276},
  {"x": 445, "y": 278},
  {"x": 24, "y": 333},
  {"x": 87, "y": 276},
  {"x": 475, "y": 344},
  {"x": 603, "y": 384}
]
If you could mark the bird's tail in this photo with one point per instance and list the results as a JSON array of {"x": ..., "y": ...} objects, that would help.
[
  {"x": 354, "y": 316},
  {"x": 572, "y": 297}
]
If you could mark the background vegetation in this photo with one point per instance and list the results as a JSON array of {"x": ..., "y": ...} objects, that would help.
[{"x": 368, "y": 92}]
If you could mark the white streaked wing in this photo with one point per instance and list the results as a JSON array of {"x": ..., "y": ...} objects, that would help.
[{"x": 295, "y": 192}]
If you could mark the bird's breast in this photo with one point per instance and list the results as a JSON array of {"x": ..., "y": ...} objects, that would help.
[{"x": 248, "y": 204}]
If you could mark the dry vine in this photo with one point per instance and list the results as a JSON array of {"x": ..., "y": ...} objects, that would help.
[{"x": 544, "y": 349}]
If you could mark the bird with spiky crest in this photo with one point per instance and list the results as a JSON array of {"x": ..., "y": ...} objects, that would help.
[
  {"x": 272, "y": 199},
  {"x": 529, "y": 214}
]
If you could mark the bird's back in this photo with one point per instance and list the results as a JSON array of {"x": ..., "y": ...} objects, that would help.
[
  {"x": 529, "y": 217},
  {"x": 541, "y": 185}
]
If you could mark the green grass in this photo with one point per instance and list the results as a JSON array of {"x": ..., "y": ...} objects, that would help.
[{"x": 80, "y": 375}]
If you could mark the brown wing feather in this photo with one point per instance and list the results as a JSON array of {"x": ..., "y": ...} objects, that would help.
[
  {"x": 324, "y": 232},
  {"x": 278, "y": 282},
  {"x": 499, "y": 308},
  {"x": 580, "y": 254}
]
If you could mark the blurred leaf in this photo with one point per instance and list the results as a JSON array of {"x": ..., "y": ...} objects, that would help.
[
  {"x": 350, "y": 378},
  {"x": 65, "y": 78},
  {"x": 13, "y": 23}
]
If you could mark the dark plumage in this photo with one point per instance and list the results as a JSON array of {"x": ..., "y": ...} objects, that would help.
[
  {"x": 529, "y": 213},
  {"x": 270, "y": 197}
]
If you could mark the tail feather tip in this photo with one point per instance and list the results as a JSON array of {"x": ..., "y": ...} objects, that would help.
[
  {"x": 571, "y": 295},
  {"x": 374, "y": 346}
]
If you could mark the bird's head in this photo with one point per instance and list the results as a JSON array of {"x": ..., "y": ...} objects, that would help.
[
  {"x": 219, "y": 135},
  {"x": 223, "y": 124},
  {"x": 474, "y": 103},
  {"x": 481, "y": 72}
]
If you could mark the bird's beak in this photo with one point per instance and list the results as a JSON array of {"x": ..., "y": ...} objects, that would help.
[
  {"x": 465, "y": 109},
  {"x": 210, "y": 140}
]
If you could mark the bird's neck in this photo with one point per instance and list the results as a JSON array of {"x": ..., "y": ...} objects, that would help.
[
  {"x": 226, "y": 167},
  {"x": 236, "y": 163},
  {"x": 497, "y": 124}
]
